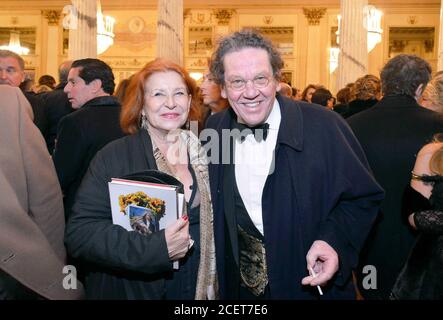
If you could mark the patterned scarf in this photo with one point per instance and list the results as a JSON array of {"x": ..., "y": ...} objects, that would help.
[{"x": 207, "y": 284}]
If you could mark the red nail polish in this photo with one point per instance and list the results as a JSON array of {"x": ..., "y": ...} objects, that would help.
[{"x": 185, "y": 218}]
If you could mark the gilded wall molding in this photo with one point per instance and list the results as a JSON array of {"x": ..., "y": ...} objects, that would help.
[
  {"x": 52, "y": 16},
  {"x": 412, "y": 20},
  {"x": 268, "y": 20},
  {"x": 198, "y": 17},
  {"x": 223, "y": 16},
  {"x": 314, "y": 15}
]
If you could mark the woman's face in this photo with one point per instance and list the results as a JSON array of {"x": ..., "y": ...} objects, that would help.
[
  {"x": 309, "y": 94},
  {"x": 167, "y": 101}
]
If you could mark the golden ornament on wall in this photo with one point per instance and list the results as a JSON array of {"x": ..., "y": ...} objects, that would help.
[
  {"x": 314, "y": 15},
  {"x": 52, "y": 16},
  {"x": 268, "y": 19},
  {"x": 412, "y": 20},
  {"x": 136, "y": 24},
  {"x": 223, "y": 16}
]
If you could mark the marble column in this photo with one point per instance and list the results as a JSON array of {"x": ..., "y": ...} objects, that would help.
[
  {"x": 353, "y": 57},
  {"x": 314, "y": 55},
  {"x": 53, "y": 45},
  {"x": 170, "y": 30},
  {"x": 83, "y": 30},
  {"x": 440, "y": 41}
]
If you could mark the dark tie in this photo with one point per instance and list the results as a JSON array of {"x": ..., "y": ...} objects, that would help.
[{"x": 246, "y": 130}]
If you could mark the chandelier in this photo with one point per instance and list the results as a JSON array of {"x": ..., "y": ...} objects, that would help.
[
  {"x": 373, "y": 18},
  {"x": 14, "y": 44},
  {"x": 372, "y": 21},
  {"x": 105, "y": 28}
]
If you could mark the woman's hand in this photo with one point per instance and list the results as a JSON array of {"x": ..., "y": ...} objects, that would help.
[{"x": 178, "y": 238}]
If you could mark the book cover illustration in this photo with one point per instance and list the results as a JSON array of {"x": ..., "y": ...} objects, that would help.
[
  {"x": 144, "y": 212},
  {"x": 141, "y": 206}
]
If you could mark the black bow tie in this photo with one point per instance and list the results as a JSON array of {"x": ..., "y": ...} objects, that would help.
[{"x": 260, "y": 131}]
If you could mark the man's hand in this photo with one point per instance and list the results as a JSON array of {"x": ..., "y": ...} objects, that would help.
[{"x": 323, "y": 259}]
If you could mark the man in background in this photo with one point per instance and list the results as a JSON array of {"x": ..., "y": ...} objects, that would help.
[
  {"x": 285, "y": 89},
  {"x": 12, "y": 73},
  {"x": 213, "y": 102},
  {"x": 82, "y": 133},
  {"x": 57, "y": 105},
  {"x": 391, "y": 133}
]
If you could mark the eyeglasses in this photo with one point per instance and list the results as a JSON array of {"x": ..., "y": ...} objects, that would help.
[{"x": 239, "y": 84}]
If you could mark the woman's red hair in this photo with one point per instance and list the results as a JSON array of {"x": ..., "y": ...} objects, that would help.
[{"x": 134, "y": 99}]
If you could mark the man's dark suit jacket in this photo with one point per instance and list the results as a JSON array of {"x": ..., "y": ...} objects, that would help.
[
  {"x": 80, "y": 135},
  {"x": 391, "y": 134},
  {"x": 38, "y": 108},
  {"x": 56, "y": 106},
  {"x": 321, "y": 189}
]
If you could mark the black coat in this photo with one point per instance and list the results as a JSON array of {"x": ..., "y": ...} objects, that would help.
[
  {"x": 391, "y": 134},
  {"x": 118, "y": 264},
  {"x": 38, "y": 108},
  {"x": 321, "y": 189},
  {"x": 56, "y": 105},
  {"x": 422, "y": 276},
  {"x": 80, "y": 135},
  {"x": 356, "y": 106}
]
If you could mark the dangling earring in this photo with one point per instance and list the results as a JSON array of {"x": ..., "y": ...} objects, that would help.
[
  {"x": 187, "y": 124},
  {"x": 144, "y": 121}
]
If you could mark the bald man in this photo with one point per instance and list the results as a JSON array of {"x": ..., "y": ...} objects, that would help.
[{"x": 285, "y": 89}]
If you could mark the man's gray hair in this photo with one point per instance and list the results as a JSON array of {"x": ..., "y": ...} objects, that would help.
[
  {"x": 63, "y": 71},
  {"x": 403, "y": 74},
  {"x": 237, "y": 41},
  {"x": 10, "y": 54}
]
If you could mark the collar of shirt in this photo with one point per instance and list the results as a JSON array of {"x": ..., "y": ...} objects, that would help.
[
  {"x": 253, "y": 163},
  {"x": 273, "y": 120}
]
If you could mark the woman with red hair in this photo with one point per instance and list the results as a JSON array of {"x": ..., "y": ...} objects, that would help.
[{"x": 159, "y": 103}]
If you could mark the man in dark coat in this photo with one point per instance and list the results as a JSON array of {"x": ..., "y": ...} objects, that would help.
[
  {"x": 56, "y": 105},
  {"x": 12, "y": 72},
  {"x": 294, "y": 203},
  {"x": 82, "y": 133},
  {"x": 391, "y": 133}
]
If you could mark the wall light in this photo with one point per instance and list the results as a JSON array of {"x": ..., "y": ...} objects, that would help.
[
  {"x": 105, "y": 30},
  {"x": 372, "y": 23},
  {"x": 373, "y": 19},
  {"x": 196, "y": 75}
]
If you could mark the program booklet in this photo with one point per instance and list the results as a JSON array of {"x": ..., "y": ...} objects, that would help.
[{"x": 144, "y": 207}]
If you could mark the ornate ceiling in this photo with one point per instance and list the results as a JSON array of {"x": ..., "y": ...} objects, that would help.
[{"x": 143, "y": 4}]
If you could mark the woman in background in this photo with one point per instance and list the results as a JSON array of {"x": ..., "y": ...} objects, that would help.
[
  {"x": 306, "y": 95},
  {"x": 422, "y": 276},
  {"x": 432, "y": 97},
  {"x": 365, "y": 93}
]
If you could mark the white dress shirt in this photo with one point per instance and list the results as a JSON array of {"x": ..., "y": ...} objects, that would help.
[{"x": 254, "y": 161}]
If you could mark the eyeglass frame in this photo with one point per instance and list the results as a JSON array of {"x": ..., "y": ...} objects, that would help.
[{"x": 244, "y": 83}]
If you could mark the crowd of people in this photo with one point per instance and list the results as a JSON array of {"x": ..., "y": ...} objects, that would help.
[{"x": 289, "y": 194}]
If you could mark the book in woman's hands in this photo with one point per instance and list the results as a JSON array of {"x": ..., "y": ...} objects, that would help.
[{"x": 144, "y": 207}]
